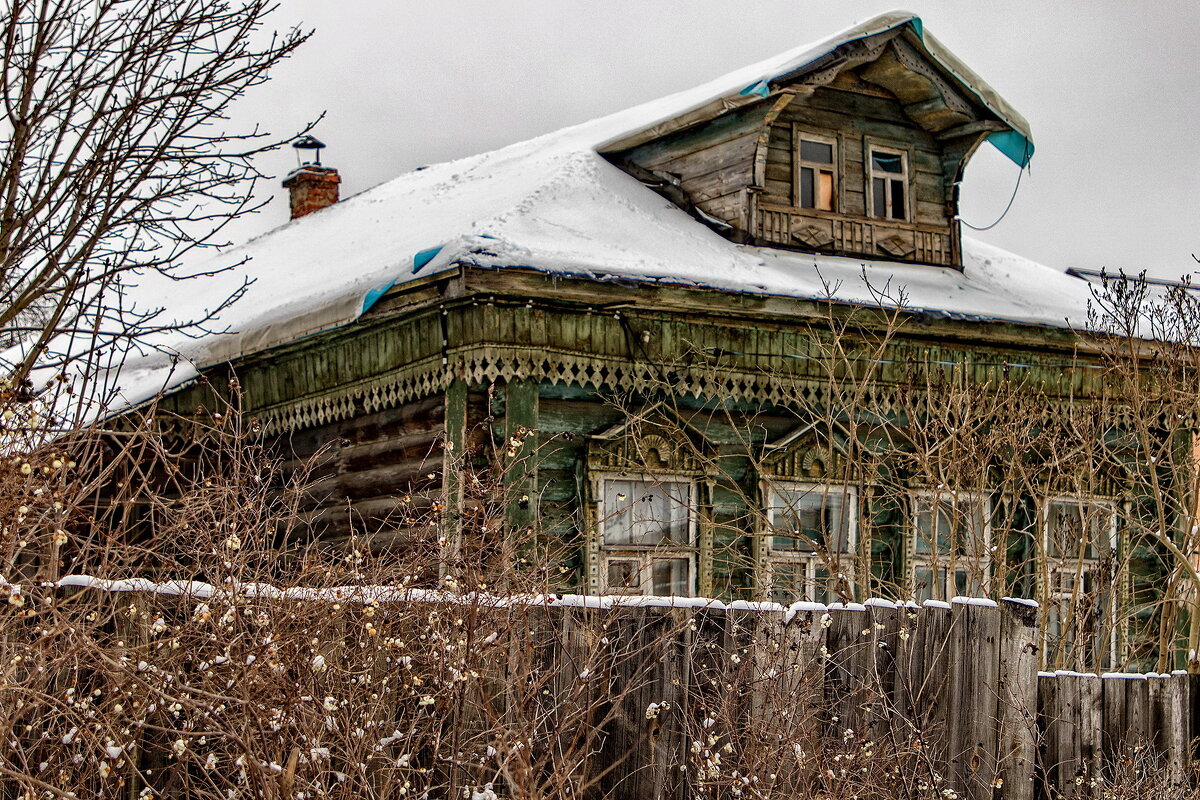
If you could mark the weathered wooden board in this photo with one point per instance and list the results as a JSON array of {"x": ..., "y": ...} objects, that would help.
[
  {"x": 973, "y": 735},
  {"x": 1017, "y": 700}
]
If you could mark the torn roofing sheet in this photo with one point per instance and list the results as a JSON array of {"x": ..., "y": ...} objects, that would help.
[{"x": 552, "y": 204}]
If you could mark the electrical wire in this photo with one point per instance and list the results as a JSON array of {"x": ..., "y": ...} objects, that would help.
[{"x": 1004, "y": 213}]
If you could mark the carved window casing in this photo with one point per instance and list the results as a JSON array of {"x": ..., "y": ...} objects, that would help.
[
  {"x": 1079, "y": 577},
  {"x": 646, "y": 526},
  {"x": 812, "y": 541},
  {"x": 807, "y": 548},
  {"x": 648, "y": 531},
  {"x": 949, "y": 551}
]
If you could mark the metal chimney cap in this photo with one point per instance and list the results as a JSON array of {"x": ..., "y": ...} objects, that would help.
[{"x": 307, "y": 142}]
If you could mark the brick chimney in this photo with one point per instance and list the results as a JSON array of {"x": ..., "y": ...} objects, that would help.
[{"x": 311, "y": 187}]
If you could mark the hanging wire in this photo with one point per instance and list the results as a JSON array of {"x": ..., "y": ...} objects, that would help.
[{"x": 1017, "y": 186}]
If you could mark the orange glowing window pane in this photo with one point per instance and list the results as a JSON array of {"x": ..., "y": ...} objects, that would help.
[{"x": 825, "y": 191}]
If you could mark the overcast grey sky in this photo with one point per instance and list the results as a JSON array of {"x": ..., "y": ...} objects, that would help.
[{"x": 1110, "y": 90}]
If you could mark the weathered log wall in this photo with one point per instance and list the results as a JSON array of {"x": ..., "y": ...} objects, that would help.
[{"x": 370, "y": 472}]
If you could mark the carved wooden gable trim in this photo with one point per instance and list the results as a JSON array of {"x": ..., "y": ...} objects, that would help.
[
  {"x": 654, "y": 440},
  {"x": 809, "y": 453}
]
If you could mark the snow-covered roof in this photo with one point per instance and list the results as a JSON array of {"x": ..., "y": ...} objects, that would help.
[{"x": 553, "y": 204}]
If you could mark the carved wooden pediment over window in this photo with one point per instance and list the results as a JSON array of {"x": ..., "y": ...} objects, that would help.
[
  {"x": 655, "y": 440},
  {"x": 809, "y": 453}
]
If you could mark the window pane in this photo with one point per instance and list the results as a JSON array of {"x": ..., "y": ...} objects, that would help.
[
  {"x": 817, "y": 152},
  {"x": 925, "y": 583},
  {"x": 887, "y": 162},
  {"x": 924, "y": 523},
  {"x": 1077, "y": 529},
  {"x": 670, "y": 576},
  {"x": 806, "y": 188},
  {"x": 624, "y": 575},
  {"x": 967, "y": 582},
  {"x": 618, "y": 508},
  {"x": 970, "y": 534},
  {"x": 645, "y": 513},
  {"x": 810, "y": 519},
  {"x": 935, "y": 526},
  {"x": 945, "y": 528},
  {"x": 787, "y": 581},
  {"x": 825, "y": 195},
  {"x": 879, "y": 196},
  {"x": 898, "y": 200}
]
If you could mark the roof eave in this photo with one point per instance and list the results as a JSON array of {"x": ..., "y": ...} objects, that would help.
[{"x": 1015, "y": 143}]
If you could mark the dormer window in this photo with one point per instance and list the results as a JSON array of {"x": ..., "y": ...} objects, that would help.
[
  {"x": 888, "y": 171},
  {"x": 816, "y": 170}
]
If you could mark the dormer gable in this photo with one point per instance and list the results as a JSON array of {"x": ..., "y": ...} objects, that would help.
[{"x": 858, "y": 149}]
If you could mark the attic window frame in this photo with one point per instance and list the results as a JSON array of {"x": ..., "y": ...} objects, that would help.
[
  {"x": 799, "y": 133},
  {"x": 870, "y": 147}
]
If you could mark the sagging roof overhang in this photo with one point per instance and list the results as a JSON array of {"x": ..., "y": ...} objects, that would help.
[{"x": 1015, "y": 142}]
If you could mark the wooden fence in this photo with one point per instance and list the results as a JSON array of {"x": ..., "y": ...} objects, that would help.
[
  {"x": 947, "y": 695},
  {"x": 958, "y": 682}
]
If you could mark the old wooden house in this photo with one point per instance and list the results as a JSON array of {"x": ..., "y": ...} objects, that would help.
[{"x": 686, "y": 329}]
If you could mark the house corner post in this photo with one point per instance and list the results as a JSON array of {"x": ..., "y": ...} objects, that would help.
[
  {"x": 453, "y": 462},
  {"x": 520, "y": 459}
]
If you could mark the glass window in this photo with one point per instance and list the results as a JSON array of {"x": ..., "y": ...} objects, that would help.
[
  {"x": 1079, "y": 543},
  {"x": 949, "y": 551},
  {"x": 638, "y": 512},
  {"x": 889, "y": 181},
  {"x": 647, "y": 536},
  {"x": 811, "y": 542},
  {"x": 816, "y": 166}
]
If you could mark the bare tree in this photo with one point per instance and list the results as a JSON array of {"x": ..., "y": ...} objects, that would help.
[{"x": 117, "y": 161}]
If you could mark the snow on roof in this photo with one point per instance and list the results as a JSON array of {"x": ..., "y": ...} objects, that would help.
[{"x": 553, "y": 204}]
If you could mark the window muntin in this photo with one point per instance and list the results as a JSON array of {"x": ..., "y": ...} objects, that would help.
[
  {"x": 812, "y": 540},
  {"x": 887, "y": 172},
  {"x": 816, "y": 171},
  {"x": 647, "y": 532},
  {"x": 950, "y": 545},
  {"x": 1079, "y": 541}
]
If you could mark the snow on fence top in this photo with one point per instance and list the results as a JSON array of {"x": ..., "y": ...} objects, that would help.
[{"x": 395, "y": 594}]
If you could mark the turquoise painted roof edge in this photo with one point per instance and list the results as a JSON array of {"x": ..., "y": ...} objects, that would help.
[
  {"x": 1015, "y": 145},
  {"x": 419, "y": 260}
]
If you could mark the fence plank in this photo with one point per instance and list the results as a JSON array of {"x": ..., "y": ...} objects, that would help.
[
  {"x": 848, "y": 643},
  {"x": 802, "y": 675},
  {"x": 646, "y": 746},
  {"x": 885, "y": 706},
  {"x": 1044, "y": 776},
  {"x": 974, "y": 693},
  {"x": 1089, "y": 728},
  {"x": 1174, "y": 724},
  {"x": 1137, "y": 712},
  {"x": 1018, "y": 698},
  {"x": 932, "y": 698},
  {"x": 1113, "y": 690}
]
